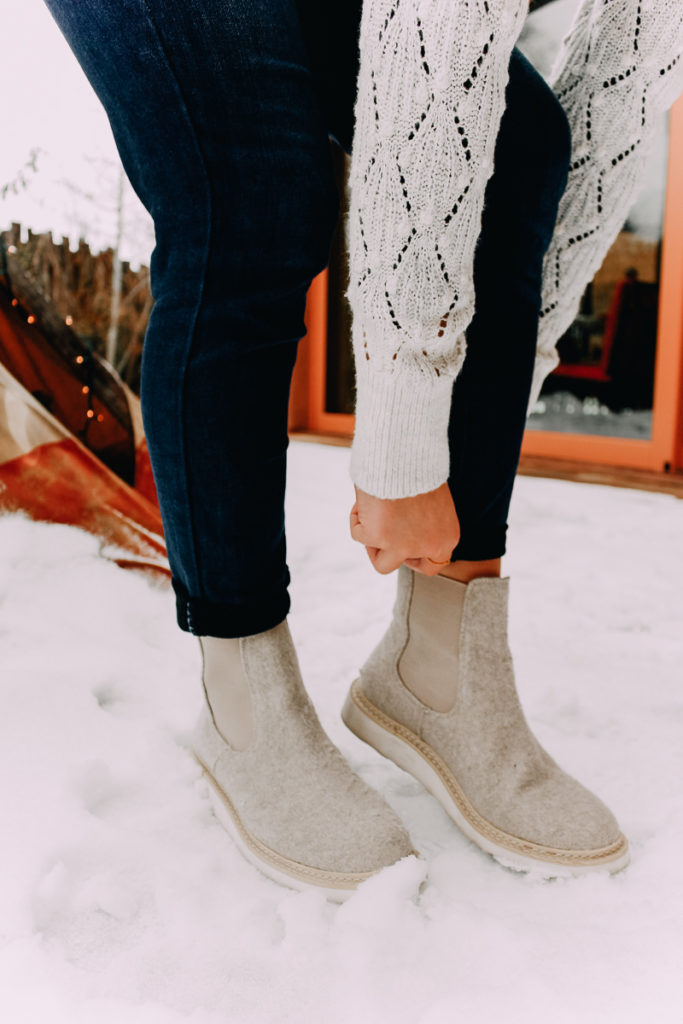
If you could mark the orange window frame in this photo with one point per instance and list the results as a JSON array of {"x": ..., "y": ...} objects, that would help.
[{"x": 664, "y": 449}]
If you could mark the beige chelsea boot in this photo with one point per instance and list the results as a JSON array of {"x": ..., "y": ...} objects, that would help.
[
  {"x": 279, "y": 786},
  {"x": 438, "y": 697}
]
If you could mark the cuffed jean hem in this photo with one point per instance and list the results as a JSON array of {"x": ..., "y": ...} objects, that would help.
[
  {"x": 480, "y": 547},
  {"x": 207, "y": 618}
]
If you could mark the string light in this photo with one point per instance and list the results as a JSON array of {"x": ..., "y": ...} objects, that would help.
[{"x": 79, "y": 360}]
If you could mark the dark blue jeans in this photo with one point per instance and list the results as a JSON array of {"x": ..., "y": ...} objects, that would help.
[{"x": 221, "y": 111}]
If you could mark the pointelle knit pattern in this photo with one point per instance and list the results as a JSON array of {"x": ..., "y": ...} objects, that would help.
[
  {"x": 620, "y": 68},
  {"x": 431, "y": 93}
]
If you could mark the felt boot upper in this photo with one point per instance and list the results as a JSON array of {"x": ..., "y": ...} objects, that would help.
[
  {"x": 484, "y": 738},
  {"x": 290, "y": 786}
]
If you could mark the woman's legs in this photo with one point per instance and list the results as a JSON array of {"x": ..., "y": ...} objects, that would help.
[
  {"x": 491, "y": 393},
  {"x": 227, "y": 146},
  {"x": 220, "y": 128},
  {"x": 221, "y": 132}
]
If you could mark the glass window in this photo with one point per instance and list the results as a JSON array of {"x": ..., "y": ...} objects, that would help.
[{"x": 604, "y": 382}]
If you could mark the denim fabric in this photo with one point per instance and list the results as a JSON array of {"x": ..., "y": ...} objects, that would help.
[
  {"x": 491, "y": 392},
  {"x": 221, "y": 111}
]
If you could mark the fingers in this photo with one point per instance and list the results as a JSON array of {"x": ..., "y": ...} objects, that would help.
[
  {"x": 420, "y": 532},
  {"x": 426, "y": 566},
  {"x": 383, "y": 559},
  {"x": 386, "y": 560},
  {"x": 356, "y": 528}
]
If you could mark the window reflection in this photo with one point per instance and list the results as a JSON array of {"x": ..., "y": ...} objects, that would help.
[{"x": 605, "y": 381}]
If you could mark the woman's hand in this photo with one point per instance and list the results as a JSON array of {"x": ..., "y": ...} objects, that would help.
[{"x": 420, "y": 531}]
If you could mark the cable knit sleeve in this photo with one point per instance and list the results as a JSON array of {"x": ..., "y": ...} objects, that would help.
[
  {"x": 431, "y": 93},
  {"x": 620, "y": 67}
]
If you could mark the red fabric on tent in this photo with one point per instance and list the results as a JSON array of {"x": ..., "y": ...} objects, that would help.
[
  {"x": 61, "y": 385},
  {"x": 63, "y": 482},
  {"x": 71, "y": 433}
]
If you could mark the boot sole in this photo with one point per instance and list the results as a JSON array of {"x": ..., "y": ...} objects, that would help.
[
  {"x": 408, "y": 751},
  {"x": 336, "y": 886}
]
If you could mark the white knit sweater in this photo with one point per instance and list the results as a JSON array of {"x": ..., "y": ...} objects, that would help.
[{"x": 431, "y": 93}]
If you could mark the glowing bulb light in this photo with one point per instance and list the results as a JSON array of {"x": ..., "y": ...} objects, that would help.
[
  {"x": 90, "y": 414},
  {"x": 30, "y": 319}
]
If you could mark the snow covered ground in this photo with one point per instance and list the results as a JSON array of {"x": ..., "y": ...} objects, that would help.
[{"x": 123, "y": 901}]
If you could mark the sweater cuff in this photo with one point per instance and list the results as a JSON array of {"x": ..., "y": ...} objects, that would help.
[{"x": 400, "y": 446}]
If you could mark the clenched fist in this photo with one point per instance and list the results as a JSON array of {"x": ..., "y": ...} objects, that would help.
[{"x": 420, "y": 531}]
